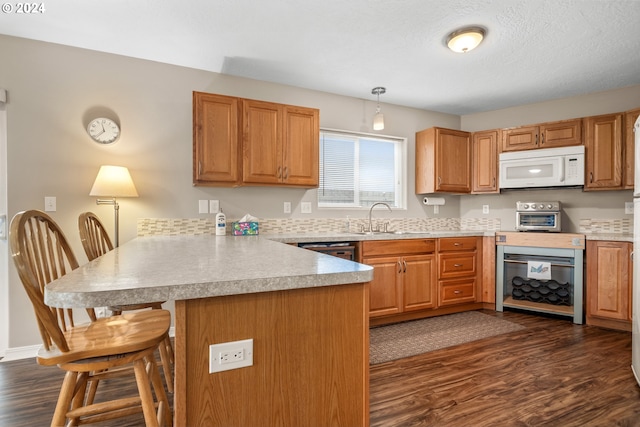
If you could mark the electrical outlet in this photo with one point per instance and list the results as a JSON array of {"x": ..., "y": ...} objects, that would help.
[
  {"x": 214, "y": 206},
  {"x": 305, "y": 207},
  {"x": 485, "y": 209},
  {"x": 628, "y": 208},
  {"x": 203, "y": 206},
  {"x": 230, "y": 355},
  {"x": 49, "y": 204},
  {"x": 287, "y": 207}
]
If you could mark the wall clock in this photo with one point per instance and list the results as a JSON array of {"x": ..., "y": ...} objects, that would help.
[{"x": 103, "y": 130}]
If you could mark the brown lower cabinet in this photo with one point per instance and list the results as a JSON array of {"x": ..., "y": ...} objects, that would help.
[
  {"x": 609, "y": 284},
  {"x": 405, "y": 275},
  {"x": 415, "y": 278}
]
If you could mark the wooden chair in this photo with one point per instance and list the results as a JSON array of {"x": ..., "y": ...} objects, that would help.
[
  {"x": 103, "y": 348},
  {"x": 96, "y": 242}
]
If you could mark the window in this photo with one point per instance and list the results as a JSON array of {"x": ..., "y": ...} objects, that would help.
[{"x": 358, "y": 170}]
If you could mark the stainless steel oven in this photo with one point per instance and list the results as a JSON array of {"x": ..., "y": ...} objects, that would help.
[{"x": 538, "y": 216}]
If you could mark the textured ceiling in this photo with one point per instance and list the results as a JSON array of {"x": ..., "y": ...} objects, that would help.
[{"x": 535, "y": 50}]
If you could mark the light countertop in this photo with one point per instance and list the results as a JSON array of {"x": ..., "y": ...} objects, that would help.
[
  {"x": 617, "y": 237},
  {"x": 163, "y": 268}
]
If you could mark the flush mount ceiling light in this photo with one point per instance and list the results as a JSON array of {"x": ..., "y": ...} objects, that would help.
[
  {"x": 465, "y": 39},
  {"x": 378, "y": 119}
]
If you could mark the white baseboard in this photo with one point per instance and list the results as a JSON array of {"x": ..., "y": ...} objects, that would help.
[
  {"x": 19, "y": 353},
  {"x": 26, "y": 352}
]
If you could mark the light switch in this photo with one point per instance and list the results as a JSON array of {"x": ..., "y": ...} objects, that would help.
[
  {"x": 3, "y": 227},
  {"x": 203, "y": 206},
  {"x": 305, "y": 207},
  {"x": 49, "y": 204}
]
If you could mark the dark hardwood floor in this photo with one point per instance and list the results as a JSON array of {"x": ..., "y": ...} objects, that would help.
[{"x": 552, "y": 373}]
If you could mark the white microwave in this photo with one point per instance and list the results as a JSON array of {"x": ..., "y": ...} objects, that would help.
[{"x": 548, "y": 167}]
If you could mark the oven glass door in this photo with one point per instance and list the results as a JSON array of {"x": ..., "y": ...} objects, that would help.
[{"x": 549, "y": 221}]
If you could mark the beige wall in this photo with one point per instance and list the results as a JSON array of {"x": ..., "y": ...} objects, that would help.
[{"x": 53, "y": 91}]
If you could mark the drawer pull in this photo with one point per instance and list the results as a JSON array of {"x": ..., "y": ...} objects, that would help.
[
  {"x": 457, "y": 265},
  {"x": 457, "y": 244},
  {"x": 457, "y": 292}
]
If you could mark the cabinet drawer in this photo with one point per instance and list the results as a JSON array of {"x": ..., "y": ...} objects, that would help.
[
  {"x": 457, "y": 292},
  {"x": 457, "y": 265},
  {"x": 449, "y": 244},
  {"x": 398, "y": 247}
]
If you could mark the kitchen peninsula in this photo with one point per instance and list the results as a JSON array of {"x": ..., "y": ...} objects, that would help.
[{"x": 307, "y": 314}]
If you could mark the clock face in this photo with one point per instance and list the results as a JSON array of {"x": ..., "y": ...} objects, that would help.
[{"x": 103, "y": 131}]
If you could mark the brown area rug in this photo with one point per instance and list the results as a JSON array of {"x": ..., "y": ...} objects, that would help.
[{"x": 421, "y": 336}]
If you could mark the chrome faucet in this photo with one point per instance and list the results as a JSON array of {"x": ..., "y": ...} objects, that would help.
[{"x": 371, "y": 210}]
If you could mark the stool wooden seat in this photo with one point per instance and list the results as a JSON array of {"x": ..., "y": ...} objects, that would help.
[
  {"x": 90, "y": 352},
  {"x": 96, "y": 242}
]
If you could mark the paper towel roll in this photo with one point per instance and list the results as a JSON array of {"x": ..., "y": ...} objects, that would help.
[{"x": 438, "y": 201}]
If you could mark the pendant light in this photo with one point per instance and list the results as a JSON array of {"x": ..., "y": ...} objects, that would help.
[
  {"x": 465, "y": 39},
  {"x": 378, "y": 119}
]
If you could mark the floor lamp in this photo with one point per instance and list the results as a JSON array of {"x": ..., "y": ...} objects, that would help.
[{"x": 113, "y": 182}]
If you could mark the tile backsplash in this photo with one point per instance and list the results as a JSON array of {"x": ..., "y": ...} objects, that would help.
[
  {"x": 195, "y": 226},
  {"x": 607, "y": 226}
]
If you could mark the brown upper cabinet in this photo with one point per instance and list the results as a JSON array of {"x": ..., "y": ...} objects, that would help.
[
  {"x": 484, "y": 178},
  {"x": 280, "y": 144},
  {"x": 443, "y": 161},
  {"x": 246, "y": 142},
  {"x": 544, "y": 135},
  {"x": 216, "y": 144},
  {"x": 630, "y": 118},
  {"x": 603, "y": 152}
]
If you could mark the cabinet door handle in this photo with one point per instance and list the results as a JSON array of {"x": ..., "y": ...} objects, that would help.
[
  {"x": 199, "y": 167},
  {"x": 404, "y": 263},
  {"x": 286, "y": 172},
  {"x": 279, "y": 173},
  {"x": 591, "y": 177},
  {"x": 399, "y": 267},
  {"x": 536, "y": 139},
  {"x": 542, "y": 139}
]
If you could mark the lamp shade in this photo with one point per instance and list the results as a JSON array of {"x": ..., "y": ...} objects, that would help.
[
  {"x": 378, "y": 121},
  {"x": 113, "y": 181}
]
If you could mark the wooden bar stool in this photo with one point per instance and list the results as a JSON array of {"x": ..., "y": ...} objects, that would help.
[
  {"x": 103, "y": 348},
  {"x": 96, "y": 242}
]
